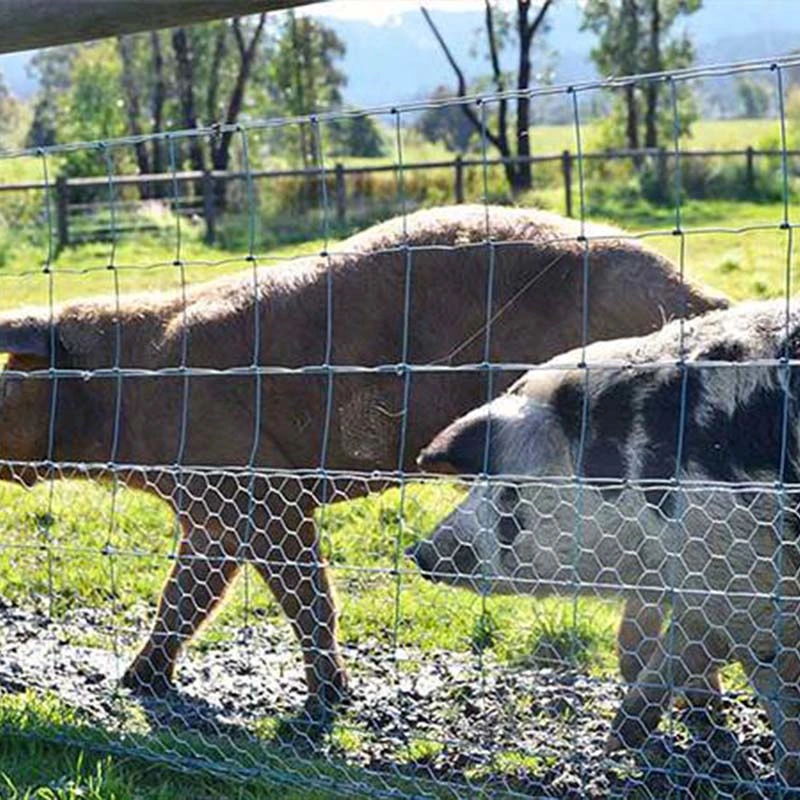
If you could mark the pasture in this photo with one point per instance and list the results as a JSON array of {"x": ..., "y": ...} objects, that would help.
[{"x": 92, "y": 558}]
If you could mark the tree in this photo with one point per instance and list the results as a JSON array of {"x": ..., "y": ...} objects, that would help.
[
  {"x": 356, "y": 135},
  {"x": 52, "y": 70},
  {"x": 634, "y": 36},
  {"x": 445, "y": 123},
  {"x": 517, "y": 165},
  {"x": 13, "y": 117},
  {"x": 210, "y": 67},
  {"x": 130, "y": 85},
  {"x": 754, "y": 96},
  {"x": 304, "y": 77}
]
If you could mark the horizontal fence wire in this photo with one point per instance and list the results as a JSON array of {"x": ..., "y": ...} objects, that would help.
[{"x": 598, "y": 597}]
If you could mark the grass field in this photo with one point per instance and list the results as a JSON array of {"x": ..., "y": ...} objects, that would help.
[{"x": 52, "y": 541}]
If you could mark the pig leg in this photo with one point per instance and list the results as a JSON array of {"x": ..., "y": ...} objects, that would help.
[
  {"x": 637, "y": 637},
  {"x": 637, "y": 640},
  {"x": 777, "y": 683},
  {"x": 675, "y": 661},
  {"x": 203, "y": 571},
  {"x": 292, "y": 566}
]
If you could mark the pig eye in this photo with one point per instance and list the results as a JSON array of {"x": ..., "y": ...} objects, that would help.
[{"x": 508, "y": 499}]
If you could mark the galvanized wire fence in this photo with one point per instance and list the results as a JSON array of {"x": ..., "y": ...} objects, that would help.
[{"x": 213, "y": 431}]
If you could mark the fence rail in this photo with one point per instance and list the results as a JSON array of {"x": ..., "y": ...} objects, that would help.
[{"x": 206, "y": 204}]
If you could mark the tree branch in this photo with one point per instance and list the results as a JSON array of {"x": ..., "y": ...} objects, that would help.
[
  {"x": 212, "y": 94},
  {"x": 247, "y": 52},
  {"x": 236, "y": 24},
  {"x": 462, "y": 87},
  {"x": 539, "y": 19},
  {"x": 125, "y": 46},
  {"x": 498, "y": 73},
  {"x": 502, "y": 111}
]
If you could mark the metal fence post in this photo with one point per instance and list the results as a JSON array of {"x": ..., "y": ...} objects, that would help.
[
  {"x": 341, "y": 195},
  {"x": 62, "y": 211},
  {"x": 566, "y": 169},
  {"x": 459, "y": 178},
  {"x": 750, "y": 178},
  {"x": 209, "y": 206}
]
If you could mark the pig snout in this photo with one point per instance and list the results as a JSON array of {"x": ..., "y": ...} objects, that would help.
[
  {"x": 424, "y": 555},
  {"x": 444, "y": 558}
]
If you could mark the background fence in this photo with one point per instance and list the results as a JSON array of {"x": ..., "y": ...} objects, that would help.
[
  {"x": 454, "y": 693},
  {"x": 87, "y": 221}
]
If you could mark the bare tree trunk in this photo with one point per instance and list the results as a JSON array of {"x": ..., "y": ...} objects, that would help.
[
  {"x": 184, "y": 74},
  {"x": 134, "y": 109},
  {"x": 654, "y": 65},
  {"x": 247, "y": 53},
  {"x": 220, "y": 50},
  {"x": 524, "y": 177},
  {"x": 509, "y": 167},
  {"x": 630, "y": 21},
  {"x": 299, "y": 87},
  {"x": 476, "y": 121},
  {"x": 526, "y": 36},
  {"x": 518, "y": 171},
  {"x": 158, "y": 99},
  {"x": 631, "y": 117}
]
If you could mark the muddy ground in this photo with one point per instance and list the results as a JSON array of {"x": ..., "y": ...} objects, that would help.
[{"x": 421, "y": 715}]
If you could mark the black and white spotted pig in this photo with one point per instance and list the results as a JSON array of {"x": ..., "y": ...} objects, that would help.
[{"x": 687, "y": 497}]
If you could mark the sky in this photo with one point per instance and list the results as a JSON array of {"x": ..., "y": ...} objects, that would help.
[
  {"x": 381, "y": 12},
  {"x": 391, "y": 53}
]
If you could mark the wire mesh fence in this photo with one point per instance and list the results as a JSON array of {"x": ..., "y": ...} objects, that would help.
[{"x": 245, "y": 423}]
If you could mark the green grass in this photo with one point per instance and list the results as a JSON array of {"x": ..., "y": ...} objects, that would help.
[
  {"x": 48, "y": 752},
  {"x": 741, "y": 263}
]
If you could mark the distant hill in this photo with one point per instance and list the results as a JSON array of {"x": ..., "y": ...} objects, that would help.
[{"x": 399, "y": 60}]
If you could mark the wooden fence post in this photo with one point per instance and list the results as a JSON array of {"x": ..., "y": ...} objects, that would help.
[
  {"x": 209, "y": 206},
  {"x": 62, "y": 211},
  {"x": 566, "y": 169},
  {"x": 341, "y": 195},
  {"x": 750, "y": 178},
  {"x": 458, "y": 164}
]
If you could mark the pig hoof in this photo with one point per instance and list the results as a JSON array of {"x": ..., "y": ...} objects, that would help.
[
  {"x": 307, "y": 728},
  {"x": 627, "y": 733},
  {"x": 146, "y": 682}
]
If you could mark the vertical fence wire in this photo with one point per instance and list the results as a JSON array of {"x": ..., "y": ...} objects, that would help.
[
  {"x": 485, "y": 367},
  {"x": 785, "y": 377},
  {"x": 584, "y": 245},
  {"x": 677, "y": 522},
  {"x": 45, "y": 529},
  {"x": 109, "y": 549},
  {"x": 402, "y": 372}
]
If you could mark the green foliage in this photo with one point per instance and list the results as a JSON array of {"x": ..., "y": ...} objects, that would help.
[
  {"x": 755, "y": 97},
  {"x": 635, "y": 38},
  {"x": 356, "y": 135},
  {"x": 304, "y": 77},
  {"x": 92, "y": 108},
  {"x": 52, "y": 67},
  {"x": 445, "y": 123},
  {"x": 14, "y": 117}
]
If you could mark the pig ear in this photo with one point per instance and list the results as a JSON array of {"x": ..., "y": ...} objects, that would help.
[
  {"x": 26, "y": 335},
  {"x": 461, "y": 448}
]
